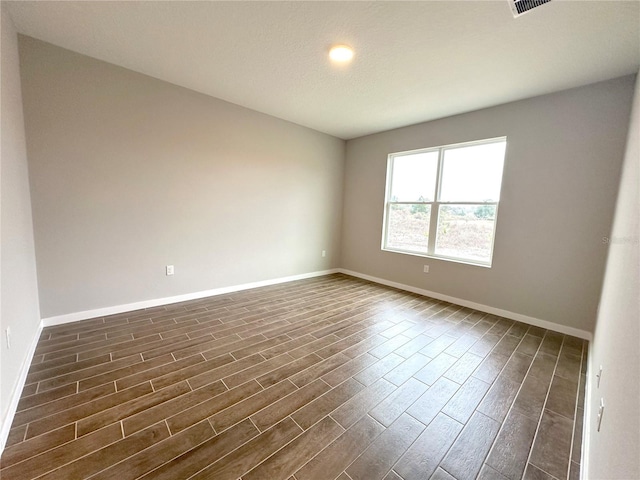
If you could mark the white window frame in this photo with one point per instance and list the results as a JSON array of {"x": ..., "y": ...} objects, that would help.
[{"x": 435, "y": 205}]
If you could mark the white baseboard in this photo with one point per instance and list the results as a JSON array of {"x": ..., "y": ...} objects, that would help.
[
  {"x": 101, "y": 312},
  {"x": 17, "y": 390},
  {"x": 556, "y": 327},
  {"x": 586, "y": 424}
]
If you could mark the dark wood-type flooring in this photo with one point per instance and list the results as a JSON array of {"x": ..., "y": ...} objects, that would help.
[{"x": 326, "y": 378}]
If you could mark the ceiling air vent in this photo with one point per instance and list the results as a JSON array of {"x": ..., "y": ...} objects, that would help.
[{"x": 518, "y": 7}]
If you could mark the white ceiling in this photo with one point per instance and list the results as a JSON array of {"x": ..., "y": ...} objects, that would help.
[{"x": 415, "y": 61}]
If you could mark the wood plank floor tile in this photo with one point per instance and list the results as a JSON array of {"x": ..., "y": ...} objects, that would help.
[
  {"x": 49, "y": 408},
  {"x": 252, "y": 453},
  {"x": 158, "y": 454},
  {"x": 127, "y": 409},
  {"x": 211, "y": 371},
  {"x": 377, "y": 460},
  {"x": 285, "y": 406},
  {"x": 290, "y": 458},
  {"x": 287, "y": 346},
  {"x": 124, "y": 372},
  {"x": 424, "y": 456},
  {"x": 414, "y": 346},
  {"x": 465, "y": 401},
  {"x": 407, "y": 369},
  {"x": 506, "y": 345},
  {"x": 518, "y": 330},
  {"x": 534, "y": 473},
  {"x": 392, "y": 407},
  {"x": 517, "y": 367},
  {"x": 379, "y": 369},
  {"x": 125, "y": 349},
  {"x": 576, "y": 450},
  {"x": 56, "y": 457},
  {"x": 16, "y": 435},
  {"x": 510, "y": 451},
  {"x": 192, "y": 415},
  {"x": 247, "y": 407},
  {"x": 24, "y": 450},
  {"x": 347, "y": 341},
  {"x": 319, "y": 369},
  {"x": 531, "y": 398},
  {"x": 389, "y": 346},
  {"x": 433, "y": 400},
  {"x": 491, "y": 367},
  {"x": 349, "y": 369},
  {"x": 463, "y": 367},
  {"x": 461, "y": 345},
  {"x": 211, "y": 348},
  {"x": 501, "y": 396},
  {"x": 568, "y": 366},
  {"x": 341, "y": 453},
  {"x": 153, "y": 414},
  {"x": 439, "y": 345},
  {"x": 488, "y": 473},
  {"x": 114, "y": 453},
  {"x": 288, "y": 370},
  {"x": 58, "y": 371},
  {"x": 77, "y": 375},
  {"x": 543, "y": 365},
  {"x": 365, "y": 400},
  {"x": 562, "y": 397},
  {"x": 38, "y": 427},
  {"x": 433, "y": 370},
  {"x": 552, "y": 446},
  {"x": 324, "y": 378},
  {"x": 364, "y": 346},
  {"x": 164, "y": 369},
  {"x": 529, "y": 345},
  {"x": 327, "y": 403},
  {"x": 485, "y": 344},
  {"x": 29, "y": 390},
  {"x": 441, "y": 474},
  {"x": 466, "y": 456},
  {"x": 64, "y": 349},
  {"x": 200, "y": 457},
  {"x": 551, "y": 343},
  {"x": 392, "y": 476}
]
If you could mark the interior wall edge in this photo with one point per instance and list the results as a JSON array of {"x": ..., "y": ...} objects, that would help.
[
  {"x": 17, "y": 389},
  {"x": 101, "y": 312},
  {"x": 588, "y": 406},
  {"x": 537, "y": 322}
]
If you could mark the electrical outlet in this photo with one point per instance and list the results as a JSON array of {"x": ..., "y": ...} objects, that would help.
[
  {"x": 324, "y": 253},
  {"x": 170, "y": 270},
  {"x": 426, "y": 269},
  {"x": 7, "y": 334}
]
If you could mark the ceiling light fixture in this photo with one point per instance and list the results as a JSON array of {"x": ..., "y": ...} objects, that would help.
[{"x": 341, "y": 53}]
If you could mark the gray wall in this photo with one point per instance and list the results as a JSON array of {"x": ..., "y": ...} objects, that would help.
[
  {"x": 18, "y": 283},
  {"x": 129, "y": 174},
  {"x": 614, "y": 451},
  {"x": 564, "y": 154}
]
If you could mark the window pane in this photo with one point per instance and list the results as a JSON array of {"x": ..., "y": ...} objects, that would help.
[
  {"x": 408, "y": 227},
  {"x": 466, "y": 231},
  {"x": 414, "y": 177},
  {"x": 472, "y": 174}
]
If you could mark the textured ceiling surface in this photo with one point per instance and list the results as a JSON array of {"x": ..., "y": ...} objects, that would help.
[{"x": 415, "y": 61}]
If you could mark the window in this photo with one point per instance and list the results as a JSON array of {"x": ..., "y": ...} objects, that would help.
[{"x": 443, "y": 202}]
